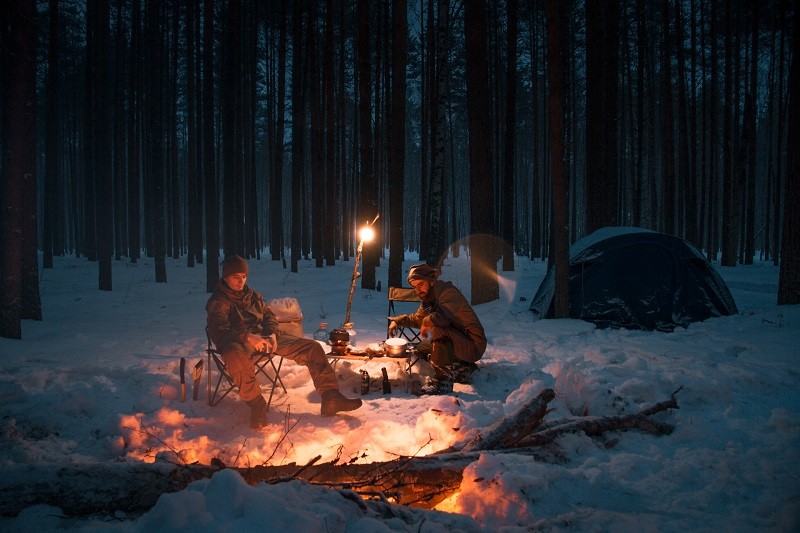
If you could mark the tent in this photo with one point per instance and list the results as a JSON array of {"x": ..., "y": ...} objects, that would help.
[{"x": 634, "y": 278}]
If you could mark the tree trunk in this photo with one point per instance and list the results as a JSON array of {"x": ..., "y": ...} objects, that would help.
[
  {"x": 397, "y": 142},
  {"x": 18, "y": 38},
  {"x": 209, "y": 168},
  {"x": 483, "y": 263},
  {"x": 298, "y": 137},
  {"x": 232, "y": 180},
  {"x": 750, "y": 147},
  {"x": 194, "y": 213},
  {"x": 510, "y": 140},
  {"x": 276, "y": 188},
  {"x": 368, "y": 193},
  {"x": 602, "y": 51},
  {"x": 436, "y": 248},
  {"x": 556, "y": 53},
  {"x": 789, "y": 275},
  {"x": 100, "y": 149},
  {"x": 667, "y": 206},
  {"x": 154, "y": 140},
  {"x": 52, "y": 175},
  {"x": 729, "y": 225},
  {"x": 332, "y": 178},
  {"x": 135, "y": 135},
  {"x": 319, "y": 191}
]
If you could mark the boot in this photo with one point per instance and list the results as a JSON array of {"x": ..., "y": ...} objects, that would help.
[
  {"x": 258, "y": 412},
  {"x": 437, "y": 385},
  {"x": 334, "y": 401},
  {"x": 462, "y": 371}
]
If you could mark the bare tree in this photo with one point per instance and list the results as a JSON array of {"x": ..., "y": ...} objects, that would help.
[
  {"x": 602, "y": 52},
  {"x": 135, "y": 134},
  {"x": 98, "y": 145},
  {"x": 52, "y": 175},
  {"x": 483, "y": 264},
  {"x": 209, "y": 167},
  {"x": 367, "y": 206},
  {"x": 510, "y": 139},
  {"x": 434, "y": 254},
  {"x": 556, "y": 68},
  {"x": 276, "y": 188},
  {"x": 194, "y": 212},
  {"x": 332, "y": 204},
  {"x": 154, "y": 138},
  {"x": 18, "y": 95},
  {"x": 789, "y": 276},
  {"x": 397, "y": 144}
]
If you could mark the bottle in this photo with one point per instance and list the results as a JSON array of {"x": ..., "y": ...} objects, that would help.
[
  {"x": 322, "y": 333},
  {"x": 387, "y": 385},
  {"x": 352, "y": 332},
  {"x": 364, "y": 382}
]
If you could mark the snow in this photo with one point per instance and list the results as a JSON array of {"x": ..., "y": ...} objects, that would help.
[{"x": 96, "y": 383}]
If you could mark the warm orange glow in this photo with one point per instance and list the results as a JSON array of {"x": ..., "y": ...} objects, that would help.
[{"x": 366, "y": 234}]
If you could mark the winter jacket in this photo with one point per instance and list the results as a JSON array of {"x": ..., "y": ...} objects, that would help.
[
  {"x": 232, "y": 315},
  {"x": 448, "y": 308}
]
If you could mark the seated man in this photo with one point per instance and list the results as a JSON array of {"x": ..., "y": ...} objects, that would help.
[
  {"x": 240, "y": 322},
  {"x": 457, "y": 338}
]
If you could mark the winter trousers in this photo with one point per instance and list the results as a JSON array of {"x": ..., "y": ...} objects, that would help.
[
  {"x": 442, "y": 347},
  {"x": 302, "y": 351}
]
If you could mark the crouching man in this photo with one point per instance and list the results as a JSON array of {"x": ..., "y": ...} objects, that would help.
[
  {"x": 457, "y": 338},
  {"x": 240, "y": 323}
]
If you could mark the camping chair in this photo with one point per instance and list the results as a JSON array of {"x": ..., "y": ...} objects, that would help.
[
  {"x": 224, "y": 381},
  {"x": 403, "y": 295}
]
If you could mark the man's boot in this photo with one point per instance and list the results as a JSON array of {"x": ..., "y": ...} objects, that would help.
[
  {"x": 462, "y": 371},
  {"x": 334, "y": 401},
  {"x": 440, "y": 383},
  {"x": 437, "y": 385},
  {"x": 258, "y": 412}
]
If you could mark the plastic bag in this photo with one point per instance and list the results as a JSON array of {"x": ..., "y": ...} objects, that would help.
[{"x": 290, "y": 316}]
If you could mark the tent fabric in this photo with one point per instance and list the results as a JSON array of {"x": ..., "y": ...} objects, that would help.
[{"x": 634, "y": 278}]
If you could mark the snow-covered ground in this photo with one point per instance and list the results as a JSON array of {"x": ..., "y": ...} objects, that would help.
[{"x": 97, "y": 382}]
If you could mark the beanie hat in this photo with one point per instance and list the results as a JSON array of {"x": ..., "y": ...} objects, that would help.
[
  {"x": 422, "y": 272},
  {"x": 234, "y": 265}
]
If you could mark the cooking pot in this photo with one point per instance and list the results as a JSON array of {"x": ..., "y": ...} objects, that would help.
[
  {"x": 395, "y": 347},
  {"x": 339, "y": 339}
]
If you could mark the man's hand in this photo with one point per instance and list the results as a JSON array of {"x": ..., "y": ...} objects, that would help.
[
  {"x": 262, "y": 344},
  {"x": 271, "y": 343},
  {"x": 392, "y": 326},
  {"x": 424, "y": 329}
]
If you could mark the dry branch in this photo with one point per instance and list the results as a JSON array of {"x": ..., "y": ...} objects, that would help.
[{"x": 594, "y": 426}]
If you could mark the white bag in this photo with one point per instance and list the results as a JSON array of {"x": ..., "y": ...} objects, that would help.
[{"x": 290, "y": 316}]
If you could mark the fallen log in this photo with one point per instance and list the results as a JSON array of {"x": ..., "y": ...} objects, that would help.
[{"x": 423, "y": 482}]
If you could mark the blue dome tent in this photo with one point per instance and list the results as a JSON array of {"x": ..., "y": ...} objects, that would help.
[{"x": 634, "y": 278}]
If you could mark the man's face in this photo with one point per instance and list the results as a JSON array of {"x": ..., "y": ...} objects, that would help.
[
  {"x": 422, "y": 288},
  {"x": 236, "y": 281}
]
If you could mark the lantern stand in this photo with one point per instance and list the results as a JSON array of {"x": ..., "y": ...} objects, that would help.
[{"x": 365, "y": 234}]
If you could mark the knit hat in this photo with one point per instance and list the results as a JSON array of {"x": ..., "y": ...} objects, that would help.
[
  {"x": 422, "y": 272},
  {"x": 234, "y": 265}
]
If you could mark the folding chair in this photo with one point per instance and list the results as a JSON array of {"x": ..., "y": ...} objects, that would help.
[
  {"x": 224, "y": 382},
  {"x": 403, "y": 295}
]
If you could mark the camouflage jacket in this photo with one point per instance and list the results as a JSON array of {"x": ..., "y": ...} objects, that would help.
[{"x": 232, "y": 315}]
